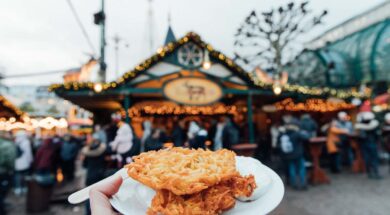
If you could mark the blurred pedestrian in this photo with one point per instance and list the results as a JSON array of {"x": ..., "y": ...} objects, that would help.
[
  {"x": 218, "y": 138},
  {"x": 337, "y": 135},
  {"x": 23, "y": 161},
  {"x": 291, "y": 147},
  {"x": 154, "y": 141},
  {"x": 197, "y": 136},
  {"x": 100, "y": 133},
  {"x": 367, "y": 128},
  {"x": 230, "y": 134},
  {"x": 7, "y": 164},
  {"x": 308, "y": 125},
  {"x": 124, "y": 145},
  {"x": 69, "y": 152},
  {"x": 179, "y": 134},
  {"x": 112, "y": 128},
  {"x": 94, "y": 162},
  {"x": 46, "y": 162},
  {"x": 147, "y": 132},
  {"x": 386, "y": 134},
  {"x": 344, "y": 122}
]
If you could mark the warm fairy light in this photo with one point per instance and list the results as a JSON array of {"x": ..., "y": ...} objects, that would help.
[
  {"x": 312, "y": 105},
  {"x": 169, "y": 108},
  {"x": 206, "y": 61},
  {"x": 31, "y": 123},
  {"x": 206, "y": 65},
  {"x": 277, "y": 89},
  {"x": 98, "y": 87},
  {"x": 59, "y": 176}
]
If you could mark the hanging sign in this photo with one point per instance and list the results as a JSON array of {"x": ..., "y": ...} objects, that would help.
[{"x": 193, "y": 91}]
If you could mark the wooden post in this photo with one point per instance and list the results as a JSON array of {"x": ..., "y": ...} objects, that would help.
[{"x": 250, "y": 119}]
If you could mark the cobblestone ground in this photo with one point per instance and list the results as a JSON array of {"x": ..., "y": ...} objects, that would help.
[{"x": 348, "y": 194}]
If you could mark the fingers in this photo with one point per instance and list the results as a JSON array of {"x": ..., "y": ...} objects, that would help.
[{"x": 99, "y": 195}]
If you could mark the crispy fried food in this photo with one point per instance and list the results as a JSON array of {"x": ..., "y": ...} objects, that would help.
[
  {"x": 183, "y": 171},
  {"x": 212, "y": 201}
]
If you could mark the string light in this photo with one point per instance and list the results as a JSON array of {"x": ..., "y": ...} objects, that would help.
[
  {"x": 206, "y": 61},
  {"x": 31, "y": 124},
  {"x": 98, "y": 87},
  {"x": 229, "y": 63},
  {"x": 170, "y": 108},
  {"x": 312, "y": 105},
  {"x": 277, "y": 89}
]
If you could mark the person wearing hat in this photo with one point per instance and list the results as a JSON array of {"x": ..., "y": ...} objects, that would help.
[
  {"x": 367, "y": 128},
  {"x": 290, "y": 143},
  {"x": 337, "y": 133}
]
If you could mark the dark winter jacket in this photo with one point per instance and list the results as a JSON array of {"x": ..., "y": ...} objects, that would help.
[
  {"x": 94, "y": 162},
  {"x": 178, "y": 136},
  {"x": 297, "y": 139},
  {"x": 368, "y": 131},
  {"x": 46, "y": 158}
]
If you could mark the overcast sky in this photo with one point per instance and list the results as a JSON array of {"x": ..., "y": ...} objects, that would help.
[{"x": 43, "y": 35}]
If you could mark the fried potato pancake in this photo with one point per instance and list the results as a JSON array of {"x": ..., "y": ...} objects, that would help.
[
  {"x": 183, "y": 171},
  {"x": 212, "y": 201}
]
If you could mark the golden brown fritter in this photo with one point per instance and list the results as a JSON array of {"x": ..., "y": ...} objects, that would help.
[
  {"x": 183, "y": 171},
  {"x": 212, "y": 201}
]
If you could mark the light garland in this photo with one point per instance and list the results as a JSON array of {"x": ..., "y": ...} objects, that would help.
[
  {"x": 169, "y": 108},
  {"x": 312, "y": 105},
  {"x": 160, "y": 54},
  {"x": 229, "y": 63},
  {"x": 29, "y": 124}
]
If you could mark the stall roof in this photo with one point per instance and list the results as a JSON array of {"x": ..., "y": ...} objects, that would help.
[
  {"x": 163, "y": 53},
  {"x": 7, "y": 109}
]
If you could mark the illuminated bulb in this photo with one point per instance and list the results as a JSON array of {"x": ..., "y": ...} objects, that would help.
[
  {"x": 206, "y": 65},
  {"x": 98, "y": 87},
  {"x": 277, "y": 89},
  {"x": 206, "y": 61}
]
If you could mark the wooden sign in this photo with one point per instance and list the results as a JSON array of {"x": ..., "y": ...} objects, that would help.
[{"x": 193, "y": 91}]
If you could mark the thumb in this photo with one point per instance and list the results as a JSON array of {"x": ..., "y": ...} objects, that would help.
[{"x": 99, "y": 195}]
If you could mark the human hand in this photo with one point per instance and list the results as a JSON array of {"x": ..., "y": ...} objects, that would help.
[{"x": 99, "y": 196}]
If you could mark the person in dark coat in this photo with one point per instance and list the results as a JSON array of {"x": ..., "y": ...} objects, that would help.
[
  {"x": 7, "y": 163},
  {"x": 94, "y": 163},
  {"x": 154, "y": 141},
  {"x": 197, "y": 136},
  {"x": 179, "y": 134},
  {"x": 308, "y": 125},
  {"x": 367, "y": 128},
  {"x": 69, "y": 152},
  {"x": 291, "y": 147},
  {"x": 386, "y": 134},
  {"x": 46, "y": 159},
  {"x": 230, "y": 134}
]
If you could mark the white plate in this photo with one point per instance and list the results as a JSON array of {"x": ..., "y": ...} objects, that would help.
[{"x": 133, "y": 198}]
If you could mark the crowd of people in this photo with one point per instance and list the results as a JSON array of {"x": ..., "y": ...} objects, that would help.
[
  {"x": 290, "y": 141},
  {"x": 24, "y": 157}
]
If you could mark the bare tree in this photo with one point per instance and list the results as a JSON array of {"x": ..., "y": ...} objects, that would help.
[{"x": 267, "y": 38}]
